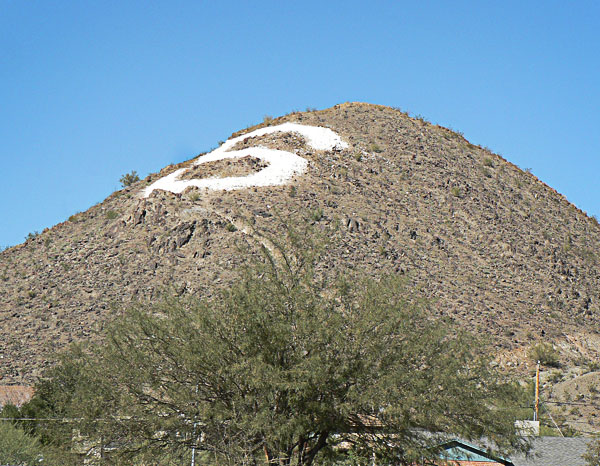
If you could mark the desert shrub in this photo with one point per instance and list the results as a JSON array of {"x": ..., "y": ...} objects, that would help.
[
  {"x": 556, "y": 376},
  {"x": 455, "y": 191},
  {"x": 488, "y": 162},
  {"x": 592, "y": 456},
  {"x": 112, "y": 214},
  {"x": 421, "y": 118},
  {"x": 129, "y": 178},
  {"x": 317, "y": 214},
  {"x": 74, "y": 218},
  {"x": 376, "y": 148},
  {"x": 545, "y": 353}
]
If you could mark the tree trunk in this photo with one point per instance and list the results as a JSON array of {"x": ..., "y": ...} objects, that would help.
[{"x": 308, "y": 459}]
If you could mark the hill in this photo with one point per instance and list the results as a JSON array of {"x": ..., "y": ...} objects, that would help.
[{"x": 493, "y": 247}]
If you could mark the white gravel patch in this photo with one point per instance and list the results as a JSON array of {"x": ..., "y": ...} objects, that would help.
[{"x": 282, "y": 165}]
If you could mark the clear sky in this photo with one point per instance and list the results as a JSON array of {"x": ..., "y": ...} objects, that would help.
[{"x": 92, "y": 90}]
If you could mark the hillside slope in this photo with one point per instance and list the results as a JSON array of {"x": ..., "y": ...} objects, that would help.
[{"x": 494, "y": 248}]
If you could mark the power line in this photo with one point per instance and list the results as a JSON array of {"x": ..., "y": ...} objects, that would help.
[
  {"x": 573, "y": 403},
  {"x": 59, "y": 419}
]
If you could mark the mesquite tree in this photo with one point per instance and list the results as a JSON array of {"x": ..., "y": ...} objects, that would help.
[{"x": 292, "y": 366}]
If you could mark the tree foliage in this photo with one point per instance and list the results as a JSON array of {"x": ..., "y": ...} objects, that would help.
[
  {"x": 592, "y": 455},
  {"x": 17, "y": 447},
  {"x": 290, "y": 365},
  {"x": 129, "y": 178},
  {"x": 61, "y": 399}
]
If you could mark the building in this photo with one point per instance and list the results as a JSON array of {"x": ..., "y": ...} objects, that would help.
[
  {"x": 555, "y": 451},
  {"x": 460, "y": 453},
  {"x": 545, "y": 451}
]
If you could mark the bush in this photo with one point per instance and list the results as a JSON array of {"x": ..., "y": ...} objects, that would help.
[
  {"x": 546, "y": 354},
  {"x": 74, "y": 218},
  {"x": 593, "y": 366},
  {"x": 129, "y": 178},
  {"x": 16, "y": 447},
  {"x": 32, "y": 235},
  {"x": 592, "y": 456},
  {"x": 376, "y": 148},
  {"x": 317, "y": 214}
]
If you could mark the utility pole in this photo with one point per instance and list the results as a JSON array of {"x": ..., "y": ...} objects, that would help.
[
  {"x": 197, "y": 438},
  {"x": 194, "y": 448},
  {"x": 536, "y": 415}
]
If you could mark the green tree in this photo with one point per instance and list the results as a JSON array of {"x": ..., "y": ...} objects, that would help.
[
  {"x": 129, "y": 178},
  {"x": 592, "y": 455},
  {"x": 16, "y": 447},
  {"x": 62, "y": 398},
  {"x": 291, "y": 366}
]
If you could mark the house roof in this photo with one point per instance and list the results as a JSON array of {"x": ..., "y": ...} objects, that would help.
[
  {"x": 459, "y": 450},
  {"x": 554, "y": 451},
  {"x": 15, "y": 394}
]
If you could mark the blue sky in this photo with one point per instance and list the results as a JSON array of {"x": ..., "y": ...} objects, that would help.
[{"x": 92, "y": 90}]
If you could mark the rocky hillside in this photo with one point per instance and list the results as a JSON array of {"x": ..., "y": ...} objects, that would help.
[{"x": 494, "y": 248}]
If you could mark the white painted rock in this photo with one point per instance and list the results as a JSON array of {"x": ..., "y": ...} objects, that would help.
[{"x": 282, "y": 165}]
